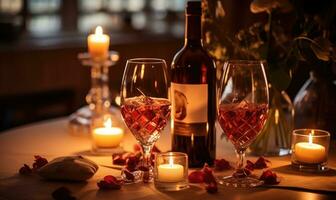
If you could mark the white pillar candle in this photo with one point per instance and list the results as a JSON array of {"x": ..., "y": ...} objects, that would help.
[
  {"x": 170, "y": 172},
  {"x": 98, "y": 44},
  {"x": 309, "y": 152},
  {"x": 107, "y": 136}
]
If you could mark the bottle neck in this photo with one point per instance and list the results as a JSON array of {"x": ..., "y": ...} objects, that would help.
[{"x": 193, "y": 33}]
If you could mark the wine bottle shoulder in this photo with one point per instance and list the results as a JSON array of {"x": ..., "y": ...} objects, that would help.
[{"x": 197, "y": 56}]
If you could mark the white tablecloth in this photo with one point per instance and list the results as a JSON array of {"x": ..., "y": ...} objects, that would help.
[{"x": 51, "y": 139}]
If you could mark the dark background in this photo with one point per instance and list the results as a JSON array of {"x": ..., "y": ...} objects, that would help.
[{"x": 40, "y": 75}]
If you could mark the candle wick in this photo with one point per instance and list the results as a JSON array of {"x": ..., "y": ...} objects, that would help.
[
  {"x": 108, "y": 123},
  {"x": 171, "y": 162},
  {"x": 310, "y": 139}
]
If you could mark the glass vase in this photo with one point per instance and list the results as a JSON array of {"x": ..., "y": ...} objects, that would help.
[
  {"x": 275, "y": 138},
  {"x": 315, "y": 104}
]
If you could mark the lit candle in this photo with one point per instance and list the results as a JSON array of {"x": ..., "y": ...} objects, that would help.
[
  {"x": 107, "y": 136},
  {"x": 170, "y": 172},
  {"x": 309, "y": 152},
  {"x": 98, "y": 44}
]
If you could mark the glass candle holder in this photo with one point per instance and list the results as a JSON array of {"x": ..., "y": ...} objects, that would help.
[
  {"x": 106, "y": 135},
  {"x": 171, "y": 171},
  {"x": 310, "y": 149}
]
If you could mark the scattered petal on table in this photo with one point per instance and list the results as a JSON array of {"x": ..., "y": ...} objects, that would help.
[{"x": 269, "y": 178}]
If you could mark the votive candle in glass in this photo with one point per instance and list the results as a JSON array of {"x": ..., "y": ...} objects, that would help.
[
  {"x": 310, "y": 149},
  {"x": 171, "y": 171},
  {"x": 106, "y": 137}
]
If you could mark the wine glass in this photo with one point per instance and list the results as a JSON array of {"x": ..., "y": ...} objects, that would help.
[
  {"x": 145, "y": 107},
  {"x": 242, "y": 112}
]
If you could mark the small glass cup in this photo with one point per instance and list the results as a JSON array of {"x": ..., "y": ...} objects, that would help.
[
  {"x": 106, "y": 134},
  {"x": 171, "y": 171},
  {"x": 310, "y": 149}
]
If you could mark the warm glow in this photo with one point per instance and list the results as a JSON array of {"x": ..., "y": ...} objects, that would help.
[
  {"x": 98, "y": 44},
  {"x": 107, "y": 136},
  {"x": 309, "y": 152},
  {"x": 170, "y": 172},
  {"x": 99, "y": 30},
  {"x": 108, "y": 123},
  {"x": 117, "y": 100},
  {"x": 276, "y": 116}
]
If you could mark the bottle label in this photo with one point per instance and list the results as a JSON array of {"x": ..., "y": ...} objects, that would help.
[{"x": 189, "y": 107}]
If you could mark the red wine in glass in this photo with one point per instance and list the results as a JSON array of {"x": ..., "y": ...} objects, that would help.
[
  {"x": 145, "y": 109},
  {"x": 146, "y": 117},
  {"x": 242, "y": 122},
  {"x": 242, "y": 112}
]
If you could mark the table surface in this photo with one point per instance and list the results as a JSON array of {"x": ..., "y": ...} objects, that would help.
[{"x": 51, "y": 139}]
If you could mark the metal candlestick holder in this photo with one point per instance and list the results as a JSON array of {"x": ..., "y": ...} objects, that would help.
[{"x": 99, "y": 96}]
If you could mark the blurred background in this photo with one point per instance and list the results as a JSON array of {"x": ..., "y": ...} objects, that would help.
[{"x": 40, "y": 74}]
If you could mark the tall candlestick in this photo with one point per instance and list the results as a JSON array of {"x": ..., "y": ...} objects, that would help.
[{"x": 98, "y": 44}]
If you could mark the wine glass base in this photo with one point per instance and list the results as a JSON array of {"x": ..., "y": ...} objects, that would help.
[
  {"x": 131, "y": 177},
  {"x": 137, "y": 176},
  {"x": 233, "y": 182}
]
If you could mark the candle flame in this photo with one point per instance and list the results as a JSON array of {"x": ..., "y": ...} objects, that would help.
[
  {"x": 171, "y": 161},
  {"x": 99, "y": 30},
  {"x": 108, "y": 123},
  {"x": 310, "y": 138}
]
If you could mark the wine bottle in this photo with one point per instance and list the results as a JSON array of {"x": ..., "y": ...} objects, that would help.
[{"x": 193, "y": 94}]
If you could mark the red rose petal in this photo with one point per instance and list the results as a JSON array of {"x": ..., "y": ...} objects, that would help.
[
  {"x": 39, "y": 162},
  {"x": 25, "y": 169},
  {"x": 110, "y": 179},
  {"x": 132, "y": 163},
  {"x": 103, "y": 185},
  {"x": 212, "y": 188},
  {"x": 208, "y": 174},
  {"x": 249, "y": 165},
  {"x": 261, "y": 163},
  {"x": 269, "y": 178},
  {"x": 119, "y": 160},
  {"x": 196, "y": 177},
  {"x": 62, "y": 193},
  {"x": 109, "y": 183},
  {"x": 222, "y": 164},
  {"x": 137, "y": 147}
]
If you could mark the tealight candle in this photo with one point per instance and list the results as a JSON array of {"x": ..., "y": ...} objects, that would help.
[
  {"x": 98, "y": 44},
  {"x": 107, "y": 136},
  {"x": 308, "y": 152},
  {"x": 170, "y": 172},
  {"x": 310, "y": 149}
]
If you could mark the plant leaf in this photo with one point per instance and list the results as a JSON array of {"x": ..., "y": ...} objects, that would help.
[{"x": 321, "y": 48}]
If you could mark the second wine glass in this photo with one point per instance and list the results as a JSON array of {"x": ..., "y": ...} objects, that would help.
[
  {"x": 145, "y": 107},
  {"x": 242, "y": 112}
]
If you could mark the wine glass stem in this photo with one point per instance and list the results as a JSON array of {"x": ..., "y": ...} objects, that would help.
[
  {"x": 146, "y": 155},
  {"x": 241, "y": 157}
]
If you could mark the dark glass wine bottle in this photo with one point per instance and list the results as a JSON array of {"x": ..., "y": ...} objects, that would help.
[{"x": 193, "y": 95}]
